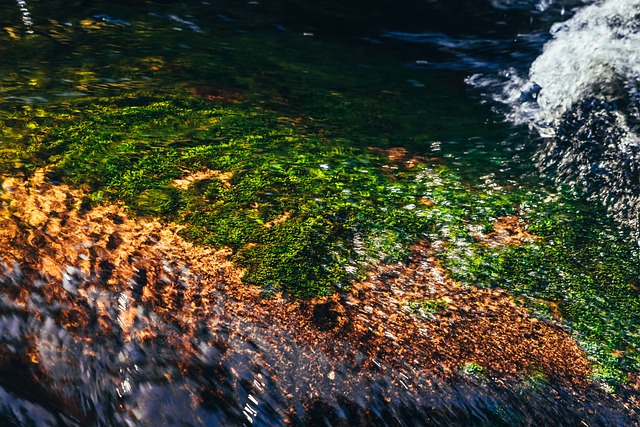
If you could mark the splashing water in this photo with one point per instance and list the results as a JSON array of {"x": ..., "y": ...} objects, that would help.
[{"x": 581, "y": 95}]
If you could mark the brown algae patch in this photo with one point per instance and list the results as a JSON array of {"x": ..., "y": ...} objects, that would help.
[
  {"x": 401, "y": 157},
  {"x": 72, "y": 253},
  {"x": 507, "y": 230},
  {"x": 382, "y": 319},
  {"x": 211, "y": 93},
  {"x": 279, "y": 220},
  {"x": 45, "y": 225},
  {"x": 187, "y": 181},
  {"x": 404, "y": 316}
]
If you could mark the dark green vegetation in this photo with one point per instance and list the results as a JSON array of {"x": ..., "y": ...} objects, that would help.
[
  {"x": 293, "y": 131},
  {"x": 304, "y": 212},
  {"x": 428, "y": 308},
  {"x": 287, "y": 125}
]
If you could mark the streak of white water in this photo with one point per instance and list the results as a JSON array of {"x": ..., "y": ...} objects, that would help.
[{"x": 26, "y": 16}]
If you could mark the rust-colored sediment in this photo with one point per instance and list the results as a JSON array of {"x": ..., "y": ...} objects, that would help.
[
  {"x": 44, "y": 229},
  {"x": 507, "y": 230},
  {"x": 400, "y": 156},
  {"x": 189, "y": 179},
  {"x": 632, "y": 403},
  {"x": 482, "y": 326},
  {"x": 211, "y": 93}
]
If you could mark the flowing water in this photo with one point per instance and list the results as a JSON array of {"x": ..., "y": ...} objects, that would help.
[
  {"x": 107, "y": 320},
  {"x": 581, "y": 96}
]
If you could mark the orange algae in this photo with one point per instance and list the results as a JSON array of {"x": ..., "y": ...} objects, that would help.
[{"x": 45, "y": 230}]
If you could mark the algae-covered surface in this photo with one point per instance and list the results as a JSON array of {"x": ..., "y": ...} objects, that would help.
[{"x": 159, "y": 158}]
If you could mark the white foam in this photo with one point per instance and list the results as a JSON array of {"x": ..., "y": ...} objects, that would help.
[
  {"x": 589, "y": 54},
  {"x": 581, "y": 94}
]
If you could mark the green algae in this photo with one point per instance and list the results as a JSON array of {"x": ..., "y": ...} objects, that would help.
[
  {"x": 346, "y": 207},
  {"x": 474, "y": 370},
  {"x": 343, "y": 211},
  {"x": 427, "y": 308}
]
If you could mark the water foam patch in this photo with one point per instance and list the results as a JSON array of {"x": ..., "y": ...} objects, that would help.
[{"x": 581, "y": 95}]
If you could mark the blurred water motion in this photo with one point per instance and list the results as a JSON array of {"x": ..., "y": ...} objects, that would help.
[{"x": 110, "y": 321}]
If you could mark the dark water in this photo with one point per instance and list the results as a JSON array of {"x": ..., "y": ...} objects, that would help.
[{"x": 568, "y": 92}]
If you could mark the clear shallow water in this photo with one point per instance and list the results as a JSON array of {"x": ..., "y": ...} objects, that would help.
[{"x": 254, "y": 374}]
